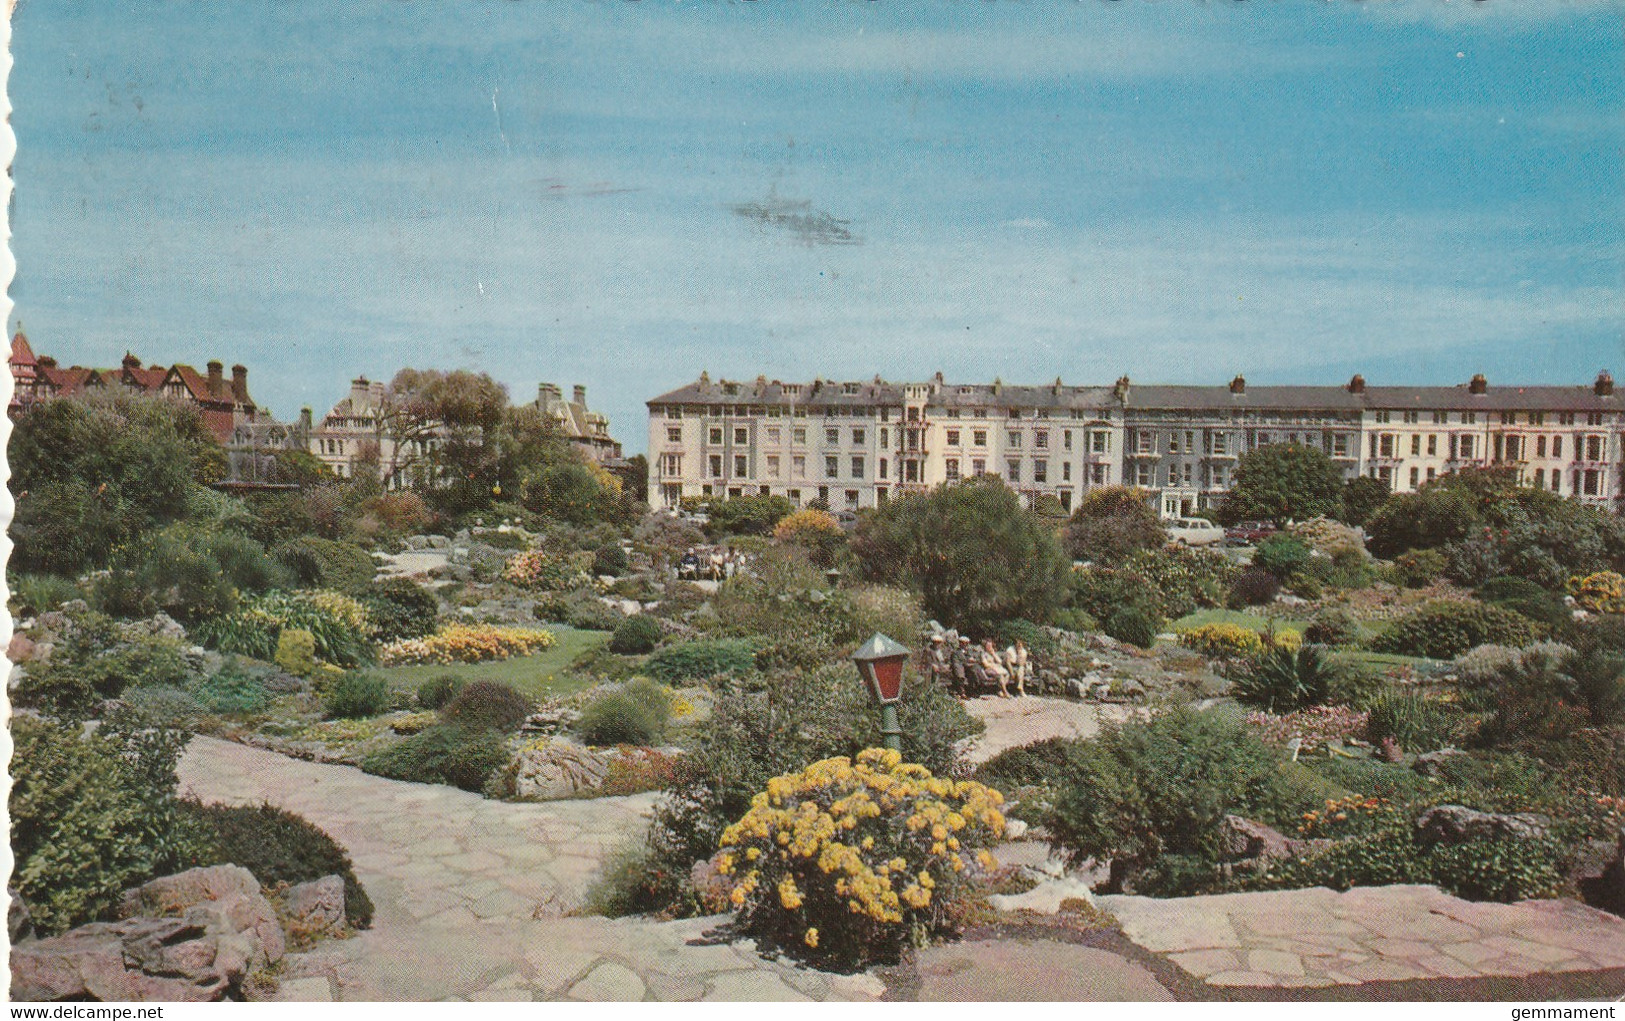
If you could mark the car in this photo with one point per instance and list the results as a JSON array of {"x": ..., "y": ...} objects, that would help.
[
  {"x": 1247, "y": 533},
  {"x": 1194, "y": 531}
]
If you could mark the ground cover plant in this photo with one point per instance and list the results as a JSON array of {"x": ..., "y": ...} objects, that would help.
[{"x": 278, "y": 846}]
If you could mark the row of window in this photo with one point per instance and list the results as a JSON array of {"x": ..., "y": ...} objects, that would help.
[
  {"x": 1585, "y": 482},
  {"x": 1504, "y": 417},
  {"x": 1099, "y": 441},
  {"x": 1096, "y": 474},
  {"x": 1507, "y": 448},
  {"x": 1223, "y": 444}
]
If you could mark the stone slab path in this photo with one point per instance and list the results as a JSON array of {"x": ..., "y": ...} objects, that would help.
[
  {"x": 471, "y": 896},
  {"x": 1033, "y": 970},
  {"x": 1320, "y": 938},
  {"x": 1012, "y": 722}
]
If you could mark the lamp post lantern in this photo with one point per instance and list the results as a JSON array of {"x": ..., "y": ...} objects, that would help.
[{"x": 880, "y": 665}]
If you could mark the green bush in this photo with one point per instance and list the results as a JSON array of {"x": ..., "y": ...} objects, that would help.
[
  {"x": 278, "y": 846},
  {"x": 636, "y": 714},
  {"x": 436, "y": 692},
  {"x": 1281, "y": 555},
  {"x": 1154, "y": 787},
  {"x": 1253, "y": 587},
  {"x": 33, "y": 594},
  {"x": 610, "y": 560},
  {"x": 399, "y": 608},
  {"x": 442, "y": 754},
  {"x": 1281, "y": 680},
  {"x": 327, "y": 563},
  {"x": 1419, "y": 568},
  {"x": 356, "y": 696},
  {"x": 487, "y": 705},
  {"x": 1504, "y": 869},
  {"x": 1100, "y": 592},
  {"x": 1506, "y": 587},
  {"x": 635, "y": 636},
  {"x": 698, "y": 660},
  {"x": 1442, "y": 629},
  {"x": 1182, "y": 579},
  {"x": 233, "y": 691},
  {"x": 296, "y": 652},
  {"x": 630, "y": 883},
  {"x": 1332, "y": 626},
  {"x": 593, "y": 615},
  {"x": 1417, "y": 723},
  {"x": 1026, "y": 775},
  {"x": 1381, "y": 858},
  {"x": 189, "y": 571},
  {"x": 1134, "y": 626},
  {"x": 341, "y": 638},
  {"x": 93, "y": 815}
]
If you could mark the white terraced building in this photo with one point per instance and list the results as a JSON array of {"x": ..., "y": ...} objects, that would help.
[{"x": 857, "y": 444}]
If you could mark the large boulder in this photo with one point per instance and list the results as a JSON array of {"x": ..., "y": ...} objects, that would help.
[
  {"x": 555, "y": 770},
  {"x": 188, "y": 937},
  {"x": 1457, "y": 824},
  {"x": 1244, "y": 839},
  {"x": 316, "y": 908}
]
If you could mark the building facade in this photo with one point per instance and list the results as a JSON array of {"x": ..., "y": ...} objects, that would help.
[
  {"x": 587, "y": 430},
  {"x": 854, "y": 445}
]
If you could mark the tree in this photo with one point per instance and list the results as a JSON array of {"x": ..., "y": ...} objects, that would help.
[
  {"x": 974, "y": 554},
  {"x": 1111, "y": 525},
  {"x": 438, "y": 424},
  {"x": 1284, "y": 482},
  {"x": 815, "y": 531},
  {"x": 746, "y": 515},
  {"x": 1433, "y": 517},
  {"x": 1362, "y": 495}
]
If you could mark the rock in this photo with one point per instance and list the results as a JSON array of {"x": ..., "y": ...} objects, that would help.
[
  {"x": 711, "y": 887},
  {"x": 1047, "y": 897},
  {"x": 216, "y": 928},
  {"x": 555, "y": 770},
  {"x": 21, "y": 649},
  {"x": 283, "y": 683},
  {"x": 316, "y": 908},
  {"x": 1428, "y": 763},
  {"x": 550, "y": 719},
  {"x": 1014, "y": 829},
  {"x": 1600, "y": 874},
  {"x": 1244, "y": 838},
  {"x": 224, "y": 900},
  {"x": 1456, "y": 824},
  {"x": 415, "y": 542},
  {"x": 159, "y": 625}
]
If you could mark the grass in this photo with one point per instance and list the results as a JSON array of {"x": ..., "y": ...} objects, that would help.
[{"x": 541, "y": 676}]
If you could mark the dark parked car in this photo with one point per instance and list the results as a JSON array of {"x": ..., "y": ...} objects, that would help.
[{"x": 1249, "y": 532}]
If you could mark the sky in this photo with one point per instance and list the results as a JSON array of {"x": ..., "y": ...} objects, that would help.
[{"x": 623, "y": 193}]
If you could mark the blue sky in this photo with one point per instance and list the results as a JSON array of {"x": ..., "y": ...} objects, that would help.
[{"x": 624, "y": 193}]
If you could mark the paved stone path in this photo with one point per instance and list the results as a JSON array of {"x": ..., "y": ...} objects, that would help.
[
  {"x": 1319, "y": 938},
  {"x": 1012, "y": 722},
  {"x": 1023, "y": 969},
  {"x": 471, "y": 896}
]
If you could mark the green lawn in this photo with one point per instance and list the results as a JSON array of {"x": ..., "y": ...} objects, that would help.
[
  {"x": 1255, "y": 621},
  {"x": 540, "y": 676}
]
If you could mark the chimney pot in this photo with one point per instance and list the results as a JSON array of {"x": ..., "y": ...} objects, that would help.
[
  {"x": 1239, "y": 384},
  {"x": 216, "y": 379},
  {"x": 239, "y": 383},
  {"x": 1478, "y": 384},
  {"x": 1357, "y": 384},
  {"x": 1604, "y": 387},
  {"x": 580, "y": 394}
]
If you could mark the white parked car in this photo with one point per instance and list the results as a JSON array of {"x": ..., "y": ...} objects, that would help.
[{"x": 1194, "y": 531}]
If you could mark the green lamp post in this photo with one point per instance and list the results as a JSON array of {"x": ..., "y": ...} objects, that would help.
[{"x": 880, "y": 665}]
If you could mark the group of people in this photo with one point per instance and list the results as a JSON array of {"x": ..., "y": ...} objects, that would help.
[
  {"x": 716, "y": 564},
  {"x": 973, "y": 671}
]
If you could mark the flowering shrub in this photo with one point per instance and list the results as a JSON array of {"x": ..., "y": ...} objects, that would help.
[
  {"x": 467, "y": 643},
  {"x": 339, "y": 625},
  {"x": 1344, "y": 817},
  {"x": 1222, "y": 641},
  {"x": 1184, "y": 578},
  {"x": 1602, "y": 592},
  {"x": 847, "y": 860},
  {"x": 551, "y": 572},
  {"x": 1316, "y": 726},
  {"x": 809, "y": 526}
]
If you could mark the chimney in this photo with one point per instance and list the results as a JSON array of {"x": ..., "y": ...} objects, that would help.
[
  {"x": 217, "y": 383},
  {"x": 1120, "y": 391},
  {"x": 48, "y": 361},
  {"x": 1239, "y": 384},
  {"x": 705, "y": 378},
  {"x": 304, "y": 420},
  {"x": 998, "y": 384},
  {"x": 1604, "y": 386},
  {"x": 131, "y": 361},
  {"x": 239, "y": 383},
  {"x": 1357, "y": 384},
  {"x": 581, "y": 395},
  {"x": 1478, "y": 384}
]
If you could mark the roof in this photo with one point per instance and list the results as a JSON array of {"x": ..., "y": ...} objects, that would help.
[
  {"x": 984, "y": 395},
  {"x": 21, "y": 352},
  {"x": 1250, "y": 398},
  {"x": 817, "y": 393}
]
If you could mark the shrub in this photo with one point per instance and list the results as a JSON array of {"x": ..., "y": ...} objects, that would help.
[
  {"x": 278, "y": 846},
  {"x": 443, "y": 754},
  {"x": 337, "y": 622},
  {"x": 593, "y": 615},
  {"x": 1545, "y": 609},
  {"x": 635, "y": 714},
  {"x": 1281, "y": 679},
  {"x": 93, "y": 814},
  {"x": 1112, "y": 524},
  {"x": 610, "y": 560},
  {"x": 327, "y": 563},
  {"x": 1419, "y": 568},
  {"x": 1503, "y": 869},
  {"x": 296, "y": 652},
  {"x": 1223, "y": 641},
  {"x": 701, "y": 659},
  {"x": 400, "y": 608},
  {"x": 189, "y": 571},
  {"x": 487, "y": 705},
  {"x": 467, "y": 643},
  {"x": 356, "y": 696},
  {"x": 1026, "y": 775},
  {"x": 1417, "y": 723},
  {"x": 33, "y": 594},
  {"x": 1282, "y": 555},
  {"x": 549, "y": 572},
  {"x": 635, "y": 636},
  {"x": 1134, "y": 626},
  {"x": 631, "y": 882},
  {"x": 1506, "y": 587},
  {"x": 1383, "y": 857},
  {"x": 1332, "y": 626},
  {"x": 878, "y": 850},
  {"x": 233, "y": 691},
  {"x": 1441, "y": 629},
  {"x": 1253, "y": 587},
  {"x": 815, "y": 531},
  {"x": 1159, "y": 787},
  {"x": 1183, "y": 579},
  {"x": 437, "y": 691}
]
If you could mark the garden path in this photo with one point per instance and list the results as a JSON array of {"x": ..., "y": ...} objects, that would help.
[
  {"x": 471, "y": 895},
  {"x": 1319, "y": 938},
  {"x": 1012, "y": 722}
]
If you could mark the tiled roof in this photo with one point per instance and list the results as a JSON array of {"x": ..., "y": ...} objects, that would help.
[
  {"x": 818, "y": 392},
  {"x": 984, "y": 395}
]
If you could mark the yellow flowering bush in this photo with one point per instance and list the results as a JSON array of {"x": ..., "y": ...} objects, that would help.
[
  {"x": 847, "y": 860},
  {"x": 467, "y": 643},
  {"x": 1602, "y": 592},
  {"x": 1222, "y": 641}
]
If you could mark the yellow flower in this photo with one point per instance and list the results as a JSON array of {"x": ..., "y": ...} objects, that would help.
[{"x": 811, "y": 938}]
